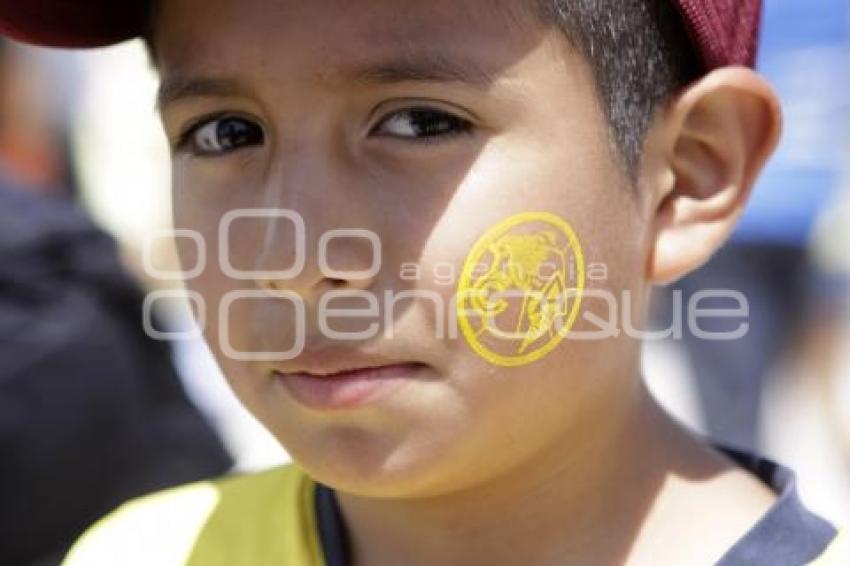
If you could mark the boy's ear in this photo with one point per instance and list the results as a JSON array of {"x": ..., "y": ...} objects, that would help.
[{"x": 705, "y": 151}]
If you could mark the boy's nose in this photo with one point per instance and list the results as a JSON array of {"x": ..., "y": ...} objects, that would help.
[
  {"x": 333, "y": 259},
  {"x": 320, "y": 238}
]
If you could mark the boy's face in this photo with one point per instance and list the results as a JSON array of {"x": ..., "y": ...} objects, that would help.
[{"x": 315, "y": 100}]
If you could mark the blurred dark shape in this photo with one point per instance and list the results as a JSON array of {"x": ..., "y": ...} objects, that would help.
[
  {"x": 731, "y": 374},
  {"x": 92, "y": 411}
]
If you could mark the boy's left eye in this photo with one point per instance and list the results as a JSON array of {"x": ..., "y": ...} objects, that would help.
[{"x": 421, "y": 123}]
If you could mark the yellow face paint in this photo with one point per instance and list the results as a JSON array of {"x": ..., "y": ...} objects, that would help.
[{"x": 520, "y": 290}]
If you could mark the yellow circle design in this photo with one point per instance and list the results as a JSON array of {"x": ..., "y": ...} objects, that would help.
[{"x": 506, "y": 263}]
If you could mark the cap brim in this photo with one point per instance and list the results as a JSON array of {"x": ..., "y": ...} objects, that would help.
[
  {"x": 724, "y": 33},
  {"x": 72, "y": 23}
]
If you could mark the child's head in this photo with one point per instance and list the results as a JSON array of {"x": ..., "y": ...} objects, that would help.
[{"x": 426, "y": 124}]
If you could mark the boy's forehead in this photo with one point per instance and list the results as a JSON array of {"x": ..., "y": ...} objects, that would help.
[{"x": 239, "y": 34}]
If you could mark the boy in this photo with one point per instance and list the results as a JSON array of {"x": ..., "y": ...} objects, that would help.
[{"x": 546, "y": 153}]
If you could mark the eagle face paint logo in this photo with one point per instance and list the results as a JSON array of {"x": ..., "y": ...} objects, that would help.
[{"x": 520, "y": 290}]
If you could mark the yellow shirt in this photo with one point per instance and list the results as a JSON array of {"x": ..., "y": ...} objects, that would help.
[
  {"x": 254, "y": 519},
  {"x": 270, "y": 518}
]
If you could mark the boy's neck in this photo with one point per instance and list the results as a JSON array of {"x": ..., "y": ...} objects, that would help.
[{"x": 594, "y": 498}]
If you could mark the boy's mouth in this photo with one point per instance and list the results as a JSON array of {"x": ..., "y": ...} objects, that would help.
[{"x": 340, "y": 380}]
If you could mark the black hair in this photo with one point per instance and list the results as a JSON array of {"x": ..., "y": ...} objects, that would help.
[{"x": 639, "y": 51}]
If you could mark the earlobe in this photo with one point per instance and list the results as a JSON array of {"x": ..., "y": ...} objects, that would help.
[{"x": 715, "y": 138}]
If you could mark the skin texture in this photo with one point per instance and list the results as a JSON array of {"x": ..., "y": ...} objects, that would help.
[{"x": 567, "y": 459}]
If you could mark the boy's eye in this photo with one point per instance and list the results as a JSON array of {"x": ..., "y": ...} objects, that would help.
[
  {"x": 421, "y": 123},
  {"x": 221, "y": 135}
]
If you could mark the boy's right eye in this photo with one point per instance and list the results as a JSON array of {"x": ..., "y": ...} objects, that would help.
[{"x": 221, "y": 135}]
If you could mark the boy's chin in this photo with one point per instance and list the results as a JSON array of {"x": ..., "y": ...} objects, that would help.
[{"x": 368, "y": 465}]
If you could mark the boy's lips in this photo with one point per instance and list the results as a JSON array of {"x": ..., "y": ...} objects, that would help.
[
  {"x": 336, "y": 361},
  {"x": 338, "y": 380}
]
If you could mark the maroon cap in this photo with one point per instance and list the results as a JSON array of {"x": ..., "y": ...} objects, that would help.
[
  {"x": 724, "y": 32},
  {"x": 72, "y": 23}
]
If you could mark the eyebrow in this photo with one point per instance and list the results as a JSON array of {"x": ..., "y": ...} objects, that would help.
[
  {"x": 179, "y": 86},
  {"x": 430, "y": 67}
]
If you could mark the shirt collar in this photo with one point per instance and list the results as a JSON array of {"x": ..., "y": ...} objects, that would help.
[{"x": 787, "y": 534}]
